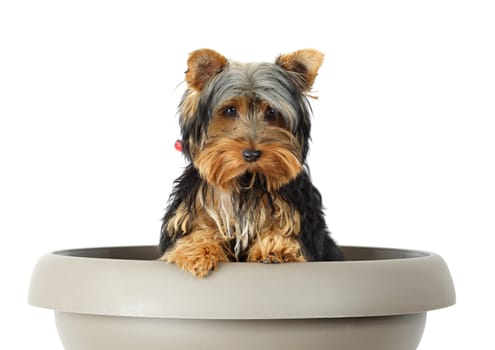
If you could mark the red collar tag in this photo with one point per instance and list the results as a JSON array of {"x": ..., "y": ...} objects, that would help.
[{"x": 178, "y": 145}]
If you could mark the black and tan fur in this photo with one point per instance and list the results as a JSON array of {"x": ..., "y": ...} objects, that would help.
[{"x": 246, "y": 193}]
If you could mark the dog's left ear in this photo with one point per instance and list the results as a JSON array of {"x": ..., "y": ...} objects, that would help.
[
  {"x": 304, "y": 63},
  {"x": 202, "y": 65}
]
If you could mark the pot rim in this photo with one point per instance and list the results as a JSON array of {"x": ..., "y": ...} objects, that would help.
[{"x": 127, "y": 281}]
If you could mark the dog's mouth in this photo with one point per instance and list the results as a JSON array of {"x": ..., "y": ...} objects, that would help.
[
  {"x": 255, "y": 180},
  {"x": 247, "y": 179}
]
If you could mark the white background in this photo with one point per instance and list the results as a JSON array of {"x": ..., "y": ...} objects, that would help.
[{"x": 403, "y": 141}]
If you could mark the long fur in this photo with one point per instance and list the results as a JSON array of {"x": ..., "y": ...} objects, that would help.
[{"x": 224, "y": 207}]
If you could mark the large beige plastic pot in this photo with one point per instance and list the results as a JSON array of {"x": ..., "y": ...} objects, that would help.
[{"x": 120, "y": 298}]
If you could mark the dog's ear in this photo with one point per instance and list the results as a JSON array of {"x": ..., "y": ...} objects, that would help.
[
  {"x": 304, "y": 64},
  {"x": 202, "y": 65}
]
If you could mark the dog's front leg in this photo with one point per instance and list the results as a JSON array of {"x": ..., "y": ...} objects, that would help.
[{"x": 199, "y": 252}]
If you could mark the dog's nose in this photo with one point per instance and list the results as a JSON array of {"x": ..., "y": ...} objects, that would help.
[{"x": 251, "y": 155}]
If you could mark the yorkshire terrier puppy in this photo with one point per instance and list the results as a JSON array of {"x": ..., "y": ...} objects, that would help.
[{"x": 246, "y": 193}]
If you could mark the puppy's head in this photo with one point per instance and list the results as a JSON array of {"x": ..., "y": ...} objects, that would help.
[{"x": 243, "y": 121}]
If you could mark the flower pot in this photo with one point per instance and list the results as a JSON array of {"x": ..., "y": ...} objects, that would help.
[{"x": 122, "y": 298}]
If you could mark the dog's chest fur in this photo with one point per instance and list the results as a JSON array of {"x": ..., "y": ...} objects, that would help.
[{"x": 246, "y": 216}]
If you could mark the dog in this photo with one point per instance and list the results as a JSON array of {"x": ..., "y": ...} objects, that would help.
[{"x": 246, "y": 192}]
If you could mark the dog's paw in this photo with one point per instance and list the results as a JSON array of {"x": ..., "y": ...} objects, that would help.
[
  {"x": 273, "y": 258},
  {"x": 276, "y": 250},
  {"x": 199, "y": 261},
  {"x": 276, "y": 257},
  {"x": 202, "y": 264}
]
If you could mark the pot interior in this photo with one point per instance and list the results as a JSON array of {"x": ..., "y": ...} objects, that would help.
[{"x": 152, "y": 253}]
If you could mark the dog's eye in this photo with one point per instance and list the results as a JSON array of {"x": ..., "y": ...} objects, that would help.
[
  {"x": 230, "y": 112},
  {"x": 271, "y": 115}
]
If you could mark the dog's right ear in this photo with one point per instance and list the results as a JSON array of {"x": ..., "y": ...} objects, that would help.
[
  {"x": 202, "y": 65},
  {"x": 304, "y": 64}
]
